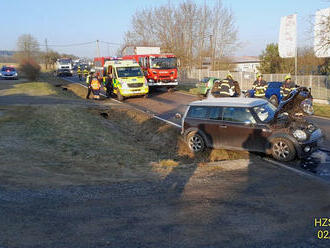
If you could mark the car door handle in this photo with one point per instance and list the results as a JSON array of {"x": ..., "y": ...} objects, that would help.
[{"x": 222, "y": 126}]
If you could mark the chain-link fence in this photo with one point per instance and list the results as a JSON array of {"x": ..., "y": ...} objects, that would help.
[{"x": 320, "y": 85}]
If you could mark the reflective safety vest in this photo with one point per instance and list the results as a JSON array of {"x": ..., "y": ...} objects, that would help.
[
  {"x": 287, "y": 88},
  {"x": 260, "y": 88},
  {"x": 85, "y": 72},
  {"x": 79, "y": 71},
  {"x": 95, "y": 84},
  {"x": 226, "y": 88}
]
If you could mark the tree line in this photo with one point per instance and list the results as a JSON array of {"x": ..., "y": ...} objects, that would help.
[
  {"x": 190, "y": 31},
  {"x": 307, "y": 62}
]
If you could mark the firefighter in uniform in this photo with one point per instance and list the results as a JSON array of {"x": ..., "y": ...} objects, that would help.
[
  {"x": 259, "y": 86},
  {"x": 224, "y": 88},
  {"x": 287, "y": 86},
  {"x": 88, "y": 83},
  {"x": 85, "y": 72},
  {"x": 79, "y": 72},
  {"x": 107, "y": 83}
]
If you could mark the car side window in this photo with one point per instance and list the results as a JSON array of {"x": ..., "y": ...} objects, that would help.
[
  {"x": 215, "y": 113},
  {"x": 239, "y": 115},
  {"x": 200, "y": 112}
]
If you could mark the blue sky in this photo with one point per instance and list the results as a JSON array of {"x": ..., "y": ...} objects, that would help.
[{"x": 71, "y": 21}]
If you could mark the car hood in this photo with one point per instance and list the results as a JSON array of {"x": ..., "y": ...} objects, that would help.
[
  {"x": 292, "y": 104},
  {"x": 8, "y": 72}
]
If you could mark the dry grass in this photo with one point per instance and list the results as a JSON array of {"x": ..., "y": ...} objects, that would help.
[{"x": 321, "y": 110}]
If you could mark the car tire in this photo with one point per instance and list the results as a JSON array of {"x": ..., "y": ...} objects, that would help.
[
  {"x": 274, "y": 100},
  {"x": 195, "y": 142},
  {"x": 283, "y": 149},
  {"x": 119, "y": 96}
]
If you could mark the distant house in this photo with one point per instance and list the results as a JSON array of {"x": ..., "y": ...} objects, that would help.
[
  {"x": 235, "y": 63},
  {"x": 245, "y": 63}
]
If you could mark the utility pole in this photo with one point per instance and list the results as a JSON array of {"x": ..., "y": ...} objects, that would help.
[
  {"x": 46, "y": 45},
  {"x": 97, "y": 48},
  {"x": 46, "y": 58}
]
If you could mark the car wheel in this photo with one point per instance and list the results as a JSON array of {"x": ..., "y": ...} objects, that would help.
[
  {"x": 283, "y": 149},
  {"x": 274, "y": 100},
  {"x": 195, "y": 142},
  {"x": 119, "y": 96}
]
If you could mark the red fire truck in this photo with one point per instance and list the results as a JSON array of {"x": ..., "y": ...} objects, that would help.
[{"x": 159, "y": 69}]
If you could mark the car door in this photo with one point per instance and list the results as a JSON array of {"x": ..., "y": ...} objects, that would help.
[
  {"x": 207, "y": 120},
  {"x": 240, "y": 130}
]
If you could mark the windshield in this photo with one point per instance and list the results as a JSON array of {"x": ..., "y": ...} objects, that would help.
[
  {"x": 129, "y": 72},
  {"x": 163, "y": 63},
  {"x": 8, "y": 69},
  {"x": 64, "y": 61},
  {"x": 265, "y": 112}
]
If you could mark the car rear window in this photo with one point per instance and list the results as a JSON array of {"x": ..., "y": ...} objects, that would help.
[{"x": 205, "y": 112}]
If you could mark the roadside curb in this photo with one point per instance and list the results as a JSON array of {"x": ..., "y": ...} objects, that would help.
[{"x": 321, "y": 117}]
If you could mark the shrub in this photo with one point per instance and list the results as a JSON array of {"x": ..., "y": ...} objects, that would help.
[{"x": 30, "y": 68}]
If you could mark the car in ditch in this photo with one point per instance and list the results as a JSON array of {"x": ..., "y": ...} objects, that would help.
[
  {"x": 8, "y": 72},
  {"x": 252, "y": 124}
]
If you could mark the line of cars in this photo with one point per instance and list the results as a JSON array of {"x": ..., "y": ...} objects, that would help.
[{"x": 8, "y": 72}]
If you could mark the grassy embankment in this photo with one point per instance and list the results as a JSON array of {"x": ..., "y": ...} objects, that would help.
[{"x": 68, "y": 143}]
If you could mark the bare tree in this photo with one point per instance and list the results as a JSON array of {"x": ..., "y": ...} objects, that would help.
[
  {"x": 188, "y": 30},
  {"x": 322, "y": 30},
  {"x": 27, "y": 47}
]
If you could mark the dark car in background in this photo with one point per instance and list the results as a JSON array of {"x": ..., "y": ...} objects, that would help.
[
  {"x": 247, "y": 124},
  {"x": 8, "y": 72}
]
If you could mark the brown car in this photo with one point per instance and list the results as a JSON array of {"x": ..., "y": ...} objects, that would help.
[{"x": 247, "y": 124}]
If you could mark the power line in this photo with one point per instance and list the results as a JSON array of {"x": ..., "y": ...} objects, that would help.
[{"x": 70, "y": 45}]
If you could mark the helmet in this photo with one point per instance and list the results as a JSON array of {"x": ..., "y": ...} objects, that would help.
[
  {"x": 287, "y": 77},
  {"x": 229, "y": 76},
  {"x": 259, "y": 75}
]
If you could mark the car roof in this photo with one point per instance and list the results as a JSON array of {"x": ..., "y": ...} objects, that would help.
[{"x": 230, "y": 102}]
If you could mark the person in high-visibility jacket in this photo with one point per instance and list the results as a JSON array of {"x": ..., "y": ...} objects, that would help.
[
  {"x": 287, "y": 86},
  {"x": 224, "y": 88},
  {"x": 85, "y": 72},
  {"x": 96, "y": 87},
  {"x": 259, "y": 86},
  {"x": 79, "y": 72}
]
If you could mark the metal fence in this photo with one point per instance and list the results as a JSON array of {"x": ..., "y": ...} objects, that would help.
[{"x": 320, "y": 85}]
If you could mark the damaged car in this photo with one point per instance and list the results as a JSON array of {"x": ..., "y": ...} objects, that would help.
[{"x": 253, "y": 124}]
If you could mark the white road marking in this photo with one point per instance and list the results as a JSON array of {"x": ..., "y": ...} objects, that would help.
[
  {"x": 303, "y": 173},
  {"x": 169, "y": 122}
]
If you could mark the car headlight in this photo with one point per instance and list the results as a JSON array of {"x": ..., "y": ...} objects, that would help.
[
  {"x": 0, "y": 74},
  {"x": 15, "y": 74},
  {"x": 300, "y": 135}
]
